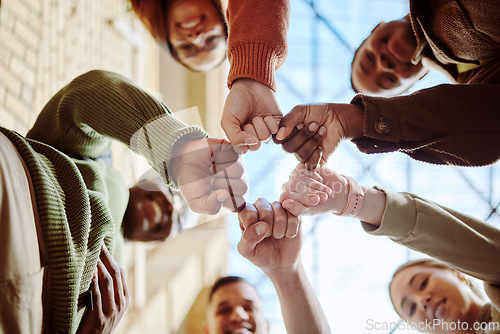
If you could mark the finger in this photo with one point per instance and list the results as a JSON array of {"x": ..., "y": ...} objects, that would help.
[
  {"x": 238, "y": 186},
  {"x": 306, "y": 199},
  {"x": 300, "y": 178},
  {"x": 294, "y": 143},
  {"x": 272, "y": 124},
  {"x": 251, "y": 237},
  {"x": 225, "y": 154},
  {"x": 234, "y": 203},
  {"x": 125, "y": 293},
  {"x": 310, "y": 145},
  {"x": 280, "y": 220},
  {"x": 250, "y": 129},
  {"x": 106, "y": 288},
  {"x": 294, "y": 207},
  {"x": 293, "y": 225},
  {"x": 314, "y": 161},
  {"x": 265, "y": 211},
  {"x": 295, "y": 130},
  {"x": 261, "y": 128},
  {"x": 209, "y": 204},
  {"x": 96, "y": 293},
  {"x": 305, "y": 195},
  {"x": 248, "y": 216},
  {"x": 236, "y": 135},
  {"x": 290, "y": 120},
  {"x": 307, "y": 186},
  {"x": 233, "y": 170},
  {"x": 302, "y": 173},
  {"x": 115, "y": 272}
]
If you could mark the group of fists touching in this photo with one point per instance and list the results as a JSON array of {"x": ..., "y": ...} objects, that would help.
[{"x": 211, "y": 175}]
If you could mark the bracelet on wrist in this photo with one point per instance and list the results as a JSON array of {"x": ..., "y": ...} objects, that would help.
[{"x": 355, "y": 199}]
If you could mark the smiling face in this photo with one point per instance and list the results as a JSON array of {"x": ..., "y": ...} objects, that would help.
[
  {"x": 382, "y": 65},
  {"x": 236, "y": 308},
  {"x": 148, "y": 216},
  {"x": 422, "y": 294},
  {"x": 196, "y": 32}
]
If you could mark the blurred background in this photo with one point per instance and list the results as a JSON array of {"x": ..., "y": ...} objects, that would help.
[{"x": 46, "y": 43}]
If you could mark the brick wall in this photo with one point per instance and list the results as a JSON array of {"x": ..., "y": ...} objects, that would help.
[{"x": 46, "y": 43}]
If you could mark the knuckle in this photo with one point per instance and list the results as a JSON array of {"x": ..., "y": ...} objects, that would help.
[
  {"x": 288, "y": 147},
  {"x": 108, "y": 282}
]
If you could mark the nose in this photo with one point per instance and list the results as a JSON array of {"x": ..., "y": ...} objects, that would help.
[
  {"x": 425, "y": 304},
  {"x": 386, "y": 63},
  {"x": 238, "y": 314}
]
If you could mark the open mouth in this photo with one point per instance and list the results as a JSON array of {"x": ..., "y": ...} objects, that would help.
[
  {"x": 191, "y": 23},
  {"x": 439, "y": 310},
  {"x": 241, "y": 331}
]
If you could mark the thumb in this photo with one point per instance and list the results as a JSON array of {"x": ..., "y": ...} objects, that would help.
[
  {"x": 209, "y": 204},
  {"x": 251, "y": 237},
  {"x": 289, "y": 121},
  {"x": 236, "y": 135}
]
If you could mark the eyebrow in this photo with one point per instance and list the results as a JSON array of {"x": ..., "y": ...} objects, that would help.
[{"x": 409, "y": 284}]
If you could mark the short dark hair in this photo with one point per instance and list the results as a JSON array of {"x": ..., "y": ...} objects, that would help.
[{"x": 225, "y": 281}]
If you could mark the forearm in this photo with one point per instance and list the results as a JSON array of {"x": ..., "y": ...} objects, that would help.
[
  {"x": 98, "y": 105},
  {"x": 300, "y": 306},
  {"x": 446, "y": 124},
  {"x": 257, "y": 39}
]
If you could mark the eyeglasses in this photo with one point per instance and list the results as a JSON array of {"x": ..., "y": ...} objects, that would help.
[{"x": 186, "y": 49}]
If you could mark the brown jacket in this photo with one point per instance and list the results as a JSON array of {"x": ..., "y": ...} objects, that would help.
[{"x": 447, "y": 124}]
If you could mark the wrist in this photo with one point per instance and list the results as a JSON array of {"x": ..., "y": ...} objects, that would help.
[
  {"x": 281, "y": 274},
  {"x": 353, "y": 202},
  {"x": 373, "y": 208},
  {"x": 352, "y": 120}
]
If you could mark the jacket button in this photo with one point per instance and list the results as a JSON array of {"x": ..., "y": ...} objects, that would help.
[{"x": 383, "y": 125}]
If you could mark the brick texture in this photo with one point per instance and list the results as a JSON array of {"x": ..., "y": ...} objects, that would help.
[{"x": 46, "y": 43}]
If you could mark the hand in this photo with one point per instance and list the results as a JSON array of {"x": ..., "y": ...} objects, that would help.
[
  {"x": 305, "y": 142},
  {"x": 209, "y": 174},
  {"x": 149, "y": 213},
  {"x": 311, "y": 193},
  {"x": 110, "y": 297},
  {"x": 251, "y": 114},
  {"x": 342, "y": 121},
  {"x": 271, "y": 237}
]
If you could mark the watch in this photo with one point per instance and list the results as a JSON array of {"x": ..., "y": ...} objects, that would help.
[{"x": 354, "y": 198}]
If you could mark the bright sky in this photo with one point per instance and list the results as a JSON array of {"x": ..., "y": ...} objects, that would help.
[{"x": 349, "y": 269}]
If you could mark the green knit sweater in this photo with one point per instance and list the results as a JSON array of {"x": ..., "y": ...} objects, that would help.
[{"x": 81, "y": 201}]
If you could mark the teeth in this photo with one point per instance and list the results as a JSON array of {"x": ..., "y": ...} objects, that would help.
[
  {"x": 241, "y": 331},
  {"x": 438, "y": 314},
  {"x": 190, "y": 24}
]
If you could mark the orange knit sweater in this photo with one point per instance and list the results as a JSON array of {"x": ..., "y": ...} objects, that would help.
[{"x": 257, "y": 39}]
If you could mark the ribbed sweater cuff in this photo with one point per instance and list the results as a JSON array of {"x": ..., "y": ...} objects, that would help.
[
  {"x": 255, "y": 61},
  {"x": 156, "y": 140},
  {"x": 375, "y": 109}
]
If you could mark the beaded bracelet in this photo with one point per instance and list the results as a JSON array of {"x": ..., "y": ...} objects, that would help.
[{"x": 354, "y": 199}]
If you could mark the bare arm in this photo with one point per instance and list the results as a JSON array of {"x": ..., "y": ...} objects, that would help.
[{"x": 276, "y": 250}]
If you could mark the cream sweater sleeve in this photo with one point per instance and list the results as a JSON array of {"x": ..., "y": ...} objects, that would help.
[{"x": 466, "y": 243}]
